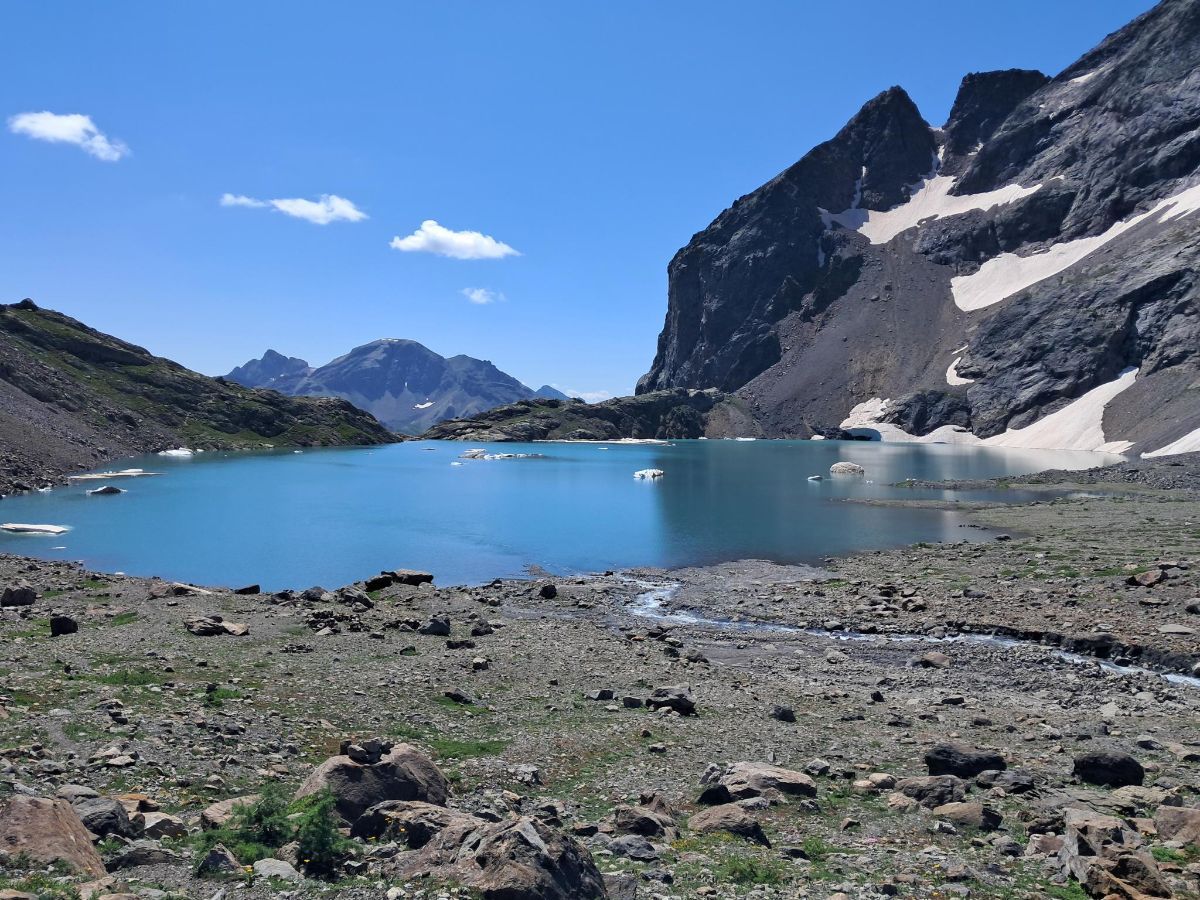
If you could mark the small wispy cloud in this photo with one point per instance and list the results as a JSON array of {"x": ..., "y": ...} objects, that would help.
[
  {"x": 482, "y": 296},
  {"x": 325, "y": 209},
  {"x": 73, "y": 128},
  {"x": 434, "y": 238},
  {"x": 587, "y": 396}
]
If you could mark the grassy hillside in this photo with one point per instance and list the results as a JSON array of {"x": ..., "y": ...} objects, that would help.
[{"x": 71, "y": 396}]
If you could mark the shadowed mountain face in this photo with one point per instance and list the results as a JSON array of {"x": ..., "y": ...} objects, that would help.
[
  {"x": 975, "y": 278},
  {"x": 72, "y": 397},
  {"x": 404, "y": 384}
]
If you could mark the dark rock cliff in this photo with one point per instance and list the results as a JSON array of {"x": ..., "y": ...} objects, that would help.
[{"x": 982, "y": 275}]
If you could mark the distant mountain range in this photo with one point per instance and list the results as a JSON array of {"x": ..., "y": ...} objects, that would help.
[{"x": 404, "y": 384}]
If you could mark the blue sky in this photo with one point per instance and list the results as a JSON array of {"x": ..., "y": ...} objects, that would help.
[{"x": 593, "y": 139}]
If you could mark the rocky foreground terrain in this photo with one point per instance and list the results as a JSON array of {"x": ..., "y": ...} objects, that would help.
[
  {"x": 72, "y": 398},
  {"x": 748, "y": 730}
]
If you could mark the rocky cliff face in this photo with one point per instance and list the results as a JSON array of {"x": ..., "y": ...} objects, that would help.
[
  {"x": 1026, "y": 274},
  {"x": 72, "y": 397},
  {"x": 404, "y": 384}
]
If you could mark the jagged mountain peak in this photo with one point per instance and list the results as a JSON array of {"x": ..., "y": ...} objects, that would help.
[
  {"x": 1054, "y": 254},
  {"x": 401, "y": 382}
]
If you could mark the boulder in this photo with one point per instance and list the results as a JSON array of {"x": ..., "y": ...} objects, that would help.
[
  {"x": 731, "y": 819},
  {"x": 212, "y": 626},
  {"x": 644, "y": 821},
  {"x": 19, "y": 594},
  {"x": 218, "y": 813},
  {"x": 969, "y": 815},
  {"x": 677, "y": 697},
  {"x": 749, "y": 779},
  {"x": 1108, "y": 767},
  {"x": 160, "y": 825},
  {"x": 932, "y": 791},
  {"x": 104, "y": 816},
  {"x": 47, "y": 831},
  {"x": 954, "y": 758},
  {"x": 60, "y": 625},
  {"x": 1104, "y": 855},
  {"x": 1178, "y": 823},
  {"x": 142, "y": 853},
  {"x": 410, "y": 822},
  {"x": 437, "y": 626},
  {"x": 517, "y": 859},
  {"x": 217, "y": 862},
  {"x": 277, "y": 868},
  {"x": 411, "y": 577},
  {"x": 403, "y": 773}
]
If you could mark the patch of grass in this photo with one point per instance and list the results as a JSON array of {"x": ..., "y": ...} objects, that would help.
[
  {"x": 46, "y": 887},
  {"x": 453, "y": 748},
  {"x": 125, "y": 618},
  {"x": 218, "y": 697},
  {"x": 83, "y": 731},
  {"x": 745, "y": 870},
  {"x": 1181, "y": 857},
  {"x": 130, "y": 678}
]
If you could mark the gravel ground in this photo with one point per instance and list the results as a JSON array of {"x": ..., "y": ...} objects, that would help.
[{"x": 877, "y": 657}]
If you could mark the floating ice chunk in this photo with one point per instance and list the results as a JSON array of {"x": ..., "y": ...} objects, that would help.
[
  {"x": 425, "y": 405},
  {"x": 649, "y": 474},
  {"x": 22, "y": 528},
  {"x": 106, "y": 491},
  {"x": 846, "y": 468},
  {"x": 178, "y": 453},
  {"x": 104, "y": 476}
]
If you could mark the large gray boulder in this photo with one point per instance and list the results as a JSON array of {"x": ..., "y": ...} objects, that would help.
[
  {"x": 402, "y": 773},
  {"x": 413, "y": 823},
  {"x": 105, "y": 816},
  {"x": 1108, "y": 767},
  {"x": 752, "y": 779},
  {"x": 517, "y": 859}
]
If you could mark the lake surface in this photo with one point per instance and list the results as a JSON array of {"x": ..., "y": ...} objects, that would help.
[{"x": 329, "y": 517}]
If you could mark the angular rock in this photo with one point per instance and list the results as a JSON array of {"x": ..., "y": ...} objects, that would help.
[
  {"x": 730, "y": 818},
  {"x": 750, "y": 779},
  {"x": 217, "y": 814},
  {"x": 518, "y": 859},
  {"x": 104, "y": 816},
  {"x": 971, "y": 815},
  {"x": 402, "y": 774},
  {"x": 48, "y": 831},
  {"x": 218, "y": 861},
  {"x": 1108, "y": 767},
  {"x": 933, "y": 790},
  {"x": 277, "y": 868},
  {"x": 1178, "y": 823},
  {"x": 677, "y": 697},
  {"x": 60, "y": 625},
  {"x": 955, "y": 758},
  {"x": 413, "y": 823},
  {"x": 19, "y": 594}
]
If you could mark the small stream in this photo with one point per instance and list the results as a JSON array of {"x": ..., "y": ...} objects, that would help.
[{"x": 652, "y": 604}]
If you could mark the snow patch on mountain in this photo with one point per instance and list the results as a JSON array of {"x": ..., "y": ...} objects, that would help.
[
  {"x": 1189, "y": 443},
  {"x": 952, "y": 376},
  {"x": 1077, "y": 426},
  {"x": 930, "y": 199},
  {"x": 1008, "y": 274}
]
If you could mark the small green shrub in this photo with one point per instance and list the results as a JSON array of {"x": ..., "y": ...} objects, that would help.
[
  {"x": 744, "y": 870},
  {"x": 316, "y": 831}
]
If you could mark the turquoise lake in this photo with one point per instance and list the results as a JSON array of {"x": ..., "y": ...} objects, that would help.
[{"x": 329, "y": 517}]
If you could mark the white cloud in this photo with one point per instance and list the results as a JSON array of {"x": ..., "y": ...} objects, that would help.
[
  {"x": 434, "y": 238},
  {"x": 74, "y": 128},
  {"x": 482, "y": 296},
  {"x": 328, "y": 208},
  {"x": 241, "y": 200},
  {"x": 588, "y": 396}
]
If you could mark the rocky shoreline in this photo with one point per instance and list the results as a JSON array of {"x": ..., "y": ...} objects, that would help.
[{"x": 745, "y": 730}]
